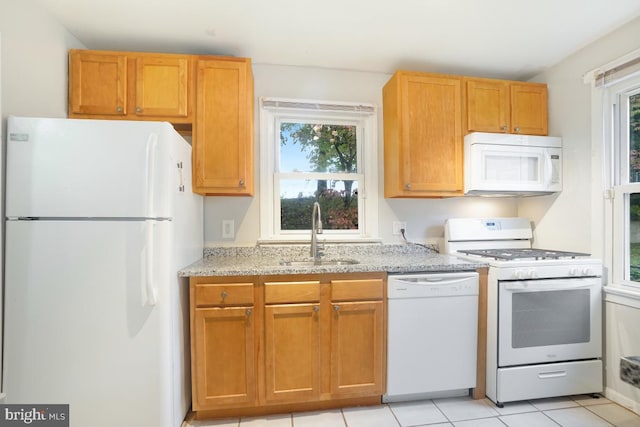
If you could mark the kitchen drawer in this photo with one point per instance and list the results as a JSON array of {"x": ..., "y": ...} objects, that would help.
[
  {"x": 356, "y": 290},
  {"x": 549, "y": 380},
  {"x": 291, "y": 292},
  {"x": 224, "y": 294}
]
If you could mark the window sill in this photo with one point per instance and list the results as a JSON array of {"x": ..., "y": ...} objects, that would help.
[{"x": 622, "y": 294}]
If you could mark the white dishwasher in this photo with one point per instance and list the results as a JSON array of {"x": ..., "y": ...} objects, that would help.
[{"x": 432, "y": 335}]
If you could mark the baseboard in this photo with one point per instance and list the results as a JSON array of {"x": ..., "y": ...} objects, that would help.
[{"x": 622, "y": 400}]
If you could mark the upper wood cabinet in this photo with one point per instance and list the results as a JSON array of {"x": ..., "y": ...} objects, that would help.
[
  {"x": 506, "y": 106},
  {"x": 223, "y": 137},
  {"x": 130, "y": 85},
  {"x": 423, "y": 139},
  {"x": 97, "y": 83},
  {"x": 162, "y": 85}
]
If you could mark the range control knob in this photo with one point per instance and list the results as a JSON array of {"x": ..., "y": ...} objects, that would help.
[
  {"x": 573, "y": 271},
  {"x": 587, "y": 271},
  {"x": 533, "y": 274},
  {"x": 520, "y": 274}
]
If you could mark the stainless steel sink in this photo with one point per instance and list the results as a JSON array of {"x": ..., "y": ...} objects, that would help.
[{"x": 314, "y": 263}]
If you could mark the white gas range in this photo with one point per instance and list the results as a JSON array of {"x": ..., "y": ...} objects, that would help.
[{"x": 543, "y": 311}]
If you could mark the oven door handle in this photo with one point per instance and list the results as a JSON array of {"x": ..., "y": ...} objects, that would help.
[{"x": 530, "y": 287}]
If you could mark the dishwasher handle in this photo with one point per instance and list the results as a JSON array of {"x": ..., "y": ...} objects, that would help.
[
  {"x": 430, "y": 279},
  {"x": 432, "y": 285}
]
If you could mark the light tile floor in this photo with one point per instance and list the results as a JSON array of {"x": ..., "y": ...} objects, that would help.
[{"x": 572, "y": 411}]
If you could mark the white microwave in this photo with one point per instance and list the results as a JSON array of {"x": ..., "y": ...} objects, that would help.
[{"x": 497, "y": 164}]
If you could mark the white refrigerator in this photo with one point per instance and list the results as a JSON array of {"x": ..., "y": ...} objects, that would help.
[{"x": 99, "y": 217}]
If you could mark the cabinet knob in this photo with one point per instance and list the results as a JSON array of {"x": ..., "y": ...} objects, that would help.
[
  {"x": 241, "y": 182},
  {"x": 138, "y": 110},
  {"x": 224, "y": 294},
  {"x": 316, "y": 308},
  {"x": 516, "y": 129},
  {"x": 336, "y": 307},
  {"x": 249, "y": 311},
  {"x": 407, "y": 186},
  {"x": 504, "y": 127},
  {"x": 118, "y": 109}
]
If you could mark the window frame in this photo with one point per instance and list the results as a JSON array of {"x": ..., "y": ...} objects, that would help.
[
  {"x": 274, "y": 111},
  {"x": 616, "y": 138}
]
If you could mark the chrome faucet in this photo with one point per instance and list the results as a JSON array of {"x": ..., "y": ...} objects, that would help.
[{"x": 316, "y": 228}]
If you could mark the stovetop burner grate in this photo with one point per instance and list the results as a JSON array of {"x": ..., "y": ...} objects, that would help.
[{"x": 526, "y": 253}]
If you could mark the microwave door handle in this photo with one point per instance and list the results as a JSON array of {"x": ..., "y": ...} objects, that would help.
[
  {"x": 528, "y": 287},
  {"x": 548, "y": 171}
]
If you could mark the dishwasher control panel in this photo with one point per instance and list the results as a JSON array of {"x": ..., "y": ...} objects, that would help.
[{"x": 425, "y": 285}]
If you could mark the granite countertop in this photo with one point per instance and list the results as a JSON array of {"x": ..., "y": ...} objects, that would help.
[{"x": 266, "y": 260}]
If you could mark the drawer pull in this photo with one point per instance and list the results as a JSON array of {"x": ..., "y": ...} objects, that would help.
[
  {"x": 336, "y": 307},
  {"x": 249, "y": 311},
  {"x": 224, "y": 295},
  {"x": 316, "y": 308},
  {"x": 554, "y": 374}
]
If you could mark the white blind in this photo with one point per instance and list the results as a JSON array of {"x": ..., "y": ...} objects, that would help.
[
  {"x": 612, "y": 73},
  {"x": 288, "y": 104}
]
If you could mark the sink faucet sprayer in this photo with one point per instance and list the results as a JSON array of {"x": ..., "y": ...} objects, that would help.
[{"x": 316, "y": 228}]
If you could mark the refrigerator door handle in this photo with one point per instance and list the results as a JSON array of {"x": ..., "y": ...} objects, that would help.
[
  {"x": 150, "y": 292},
  {"x": 152, "y": 142}
]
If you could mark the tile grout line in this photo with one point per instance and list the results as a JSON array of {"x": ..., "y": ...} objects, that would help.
[
  {"x": 549, "y": 418},
  {"x": 598, "y": 415},
  {"x": 392, "y": 414},
  {"x": 344, "y": 419}
]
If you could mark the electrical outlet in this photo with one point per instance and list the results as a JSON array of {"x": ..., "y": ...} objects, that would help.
[
  {"x": 228, "y": 229},
  {"x": 397, "y": 226}
]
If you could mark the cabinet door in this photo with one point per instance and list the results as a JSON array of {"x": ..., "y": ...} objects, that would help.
[
  {"x": 97, "y": 83},
  {"x": 292, "y": 348},
  {"x": 432, "y": 141},
  {"x": 162, "y": 85},
  {"x": 223, "y": 140},
  {"x": 423, "y": 135},
  {"x": 487, "y": 104},
  {"x": 224, "y": 370},
  {"x": 529, "y": 109},
  {"x": 357, "y": 348}
]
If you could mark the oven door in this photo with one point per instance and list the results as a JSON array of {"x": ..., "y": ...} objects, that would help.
[{"x": 549, "y": 320}]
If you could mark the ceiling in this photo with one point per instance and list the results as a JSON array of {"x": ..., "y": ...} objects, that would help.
[{"x": 513, "y": 39}]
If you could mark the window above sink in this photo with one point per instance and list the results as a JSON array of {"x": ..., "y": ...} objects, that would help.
[{"x": 323, "y": 152}]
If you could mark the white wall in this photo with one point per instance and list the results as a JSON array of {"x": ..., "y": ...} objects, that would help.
[
  {"x": 622, "y": 340},
  {"x": 34, "y": 60},
  {"x": 573, "y": 219},
  {"x": 424, "y": 217}
]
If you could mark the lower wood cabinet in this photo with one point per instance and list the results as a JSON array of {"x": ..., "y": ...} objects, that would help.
[
  {"x": 357, "y": 348},
  {"x": 224, "y": 373},
  {"x": 294, "y": 342}
]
